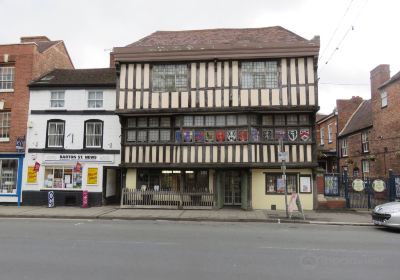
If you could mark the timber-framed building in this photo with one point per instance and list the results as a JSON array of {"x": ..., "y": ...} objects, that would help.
[{"x": 203, "y": 112}]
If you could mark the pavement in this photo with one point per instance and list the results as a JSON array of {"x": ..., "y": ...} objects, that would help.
[{"x": 324, "y": 217}]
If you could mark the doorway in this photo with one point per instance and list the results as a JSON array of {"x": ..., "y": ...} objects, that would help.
[
  {"x": 232, "y": 188},
  {"x": 111, "y": 185}
]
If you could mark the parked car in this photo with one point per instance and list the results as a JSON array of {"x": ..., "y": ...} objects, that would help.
[{"x": 387, "y": 215}]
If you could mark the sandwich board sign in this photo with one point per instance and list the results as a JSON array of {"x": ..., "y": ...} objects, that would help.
[{"x": 295, "y": 204}]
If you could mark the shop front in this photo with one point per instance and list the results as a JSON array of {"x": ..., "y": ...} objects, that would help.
[
  {"x": 10, "y": 177},
  {"x": 67, "y": 175}
]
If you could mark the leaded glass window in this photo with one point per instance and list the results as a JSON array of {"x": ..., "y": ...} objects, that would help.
[
  {"x": 259, "y": 74},
  {"x": 170, "y": 77}
]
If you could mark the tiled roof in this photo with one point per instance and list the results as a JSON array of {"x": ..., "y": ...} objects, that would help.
[
  {"x": 392, "y": 79},
  {"x": 101, "y": 77},
  {"x": 320, "y": 117},
  {"x": 218, "y": 43},
  {"x": 361, "y": 119},
  {"x": 211, "y": 37}
]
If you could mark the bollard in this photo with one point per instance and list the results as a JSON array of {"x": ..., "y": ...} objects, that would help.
[
  {"x": 85, "y": 199},
  {"x": 50, "y": 197}
]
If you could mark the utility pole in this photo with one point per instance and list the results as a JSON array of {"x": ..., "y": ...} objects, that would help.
[{"x": 282, "y": 155}]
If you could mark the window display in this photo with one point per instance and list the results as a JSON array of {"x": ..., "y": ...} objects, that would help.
[{"x": 62, "y": 177}]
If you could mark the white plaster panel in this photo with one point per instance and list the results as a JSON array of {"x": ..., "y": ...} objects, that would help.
[
  {"x": 235, "y": 74},
  {"x": 193, "y": 75},
  {"x": 211, "y": 75},
  {"x": 303, "y": 100},
  {"x": 284, "y": 71},
  {"x": 293, "y": 71},
  {"x": 310, "y": 70},
  {"x": 145, "y": 100},
  {"x": 284, "y": 96},
  {"x": 164, "y": 100},
  {"x": 122, "y": 77},
  {"x": 218, "y": 98},
  {"x": 226, "y": 98},
  {"x": 202, "y": 99},
  {"x": 245, "y": 153},
  {"x": 219, "y": 74},
  {"x": 244, "y": 98},
  {"x": 275, "y": 97},
  {"x": 130, "y": 76},
  {"x": 301, "y": 68},
  {"x": 237, "y": 153},
  {"x": 264, "y": 97},
  {"x": 235, "y": 97},
  {"x": 130, "y": 100},
  {"x": 155, "y": 100},
  {"x": 202, "y": 75},
  {"x": 311, "y": 95},
  {"x": 184, "y": 99},
  {"x": 215, "y": 154},
  {"x": 174, "y": 100},
  {"x": 138, "y": 76},
  {"x": 254, "y": 97},
  {"x": 138, "y": 94},
  {"x": 226, "y": 74},
  {"x": 210, "y": 100},
  {"x": 146, "y": 76}
]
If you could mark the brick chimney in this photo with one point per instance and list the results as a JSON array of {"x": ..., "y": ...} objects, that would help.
[
  {"x": 345, "y": 108},
  {"x": 34, "y": 39},
  {"x": 378, "y": 75}
]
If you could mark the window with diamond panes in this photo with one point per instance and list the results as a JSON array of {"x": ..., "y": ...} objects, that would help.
[
  {"x": 153, "y": 135},
  {"x": 220, "y": 120},
  {"x": 280, "y": 120},
  {"x": 131, "y": 122},
  {"x": 153, "y": 122},
  {"x": 292, "y": 119},
  {"x": 230, "y": 120},
  {"x": 170, "y": 77},
  {"x": 165, "y": 122},
  {"x": 165, "y": 135},
  {"x": 188, "y": 121},
  {"x": 304, "y": 119},
  {"x": 259, "y": 74},
  {"x": 131, "y": 136},
  {"x": 142, "y": 136},
  {"x": 242, "y": 120},
  {"x": 198, "y": 120},
  {"x": 210, "y": 120},
  {"x": 142, "y": 122},
  {"x": 267, "y": 120}
]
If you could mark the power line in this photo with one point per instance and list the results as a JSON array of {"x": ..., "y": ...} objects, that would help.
[
  {"x": 344, "y": 84},
  {"x": 336, "y": 29}
]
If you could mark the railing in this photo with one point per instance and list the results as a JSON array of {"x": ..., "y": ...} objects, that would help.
[{"x": 133, "y": 198}]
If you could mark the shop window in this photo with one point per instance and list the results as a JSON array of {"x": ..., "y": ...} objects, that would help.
[
  {"x": 55, "y": 133},
  {"x": 93, "y": 134},
  {"x": 169, "y": 77},
  {"x": 6, "y": 78},
  {"x": 57, "y": 99},
  {"x": 62, "y": 177},
  {"x": 276, "y": 185},
  {"x": 259, "y": 74},
  {"x": 8, "y": 176},
  {"x": 5, "y": 122},
  {"x": 95, "y": 99}
]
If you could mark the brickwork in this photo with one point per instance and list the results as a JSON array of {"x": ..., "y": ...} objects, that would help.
[
  {"x": 385, "y": 142},
  {"x": 326, "y": 151},
  {"x": 29, "y": 64}
]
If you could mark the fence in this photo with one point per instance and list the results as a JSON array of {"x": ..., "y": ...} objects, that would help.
[
  {"x": 362, "y": 192},
  {"x": 133, "y": 198}
]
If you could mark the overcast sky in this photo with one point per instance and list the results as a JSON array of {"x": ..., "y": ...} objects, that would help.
[{"x": 365, "y": 32}]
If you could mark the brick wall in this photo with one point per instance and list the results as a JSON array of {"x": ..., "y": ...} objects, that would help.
[
  {"x": 28, "y": 64},
  {"x": 345, "y": 108},
  {"x": 385, "y": 139}
]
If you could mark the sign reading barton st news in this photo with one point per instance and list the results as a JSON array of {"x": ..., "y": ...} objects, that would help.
[{"x": 78, "y": 157}]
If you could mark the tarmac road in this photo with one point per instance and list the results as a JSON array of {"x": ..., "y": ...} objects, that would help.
[{"x": 111, "y": 249}]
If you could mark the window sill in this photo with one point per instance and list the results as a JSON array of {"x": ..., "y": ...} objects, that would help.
[
  {"x": 6, "y": 90},
  {"x": 3, "y": 140}
]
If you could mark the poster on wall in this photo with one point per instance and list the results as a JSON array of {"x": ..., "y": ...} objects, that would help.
[
  {"x": 331, "y": 184},
  {"x": 32, "y": 175},
  {"x": 305, "y": 184},
  {"x": 92, "y": 176}
]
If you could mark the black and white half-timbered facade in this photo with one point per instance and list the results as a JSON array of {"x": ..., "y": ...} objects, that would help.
[{"x": 204, "y": 114}]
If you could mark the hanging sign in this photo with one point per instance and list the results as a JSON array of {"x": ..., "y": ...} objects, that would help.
[
  {"x": 36, "y": 167},
  {"x": 378, "y": 185},
  {"x": 358, "y": 185},
  {"x": 78, "y": 167}
]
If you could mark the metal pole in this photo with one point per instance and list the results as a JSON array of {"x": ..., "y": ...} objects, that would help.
[{"x": 284, "y": 183}]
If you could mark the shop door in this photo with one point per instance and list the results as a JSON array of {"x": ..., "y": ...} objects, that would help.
[{"x": 232, "y": 188}]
